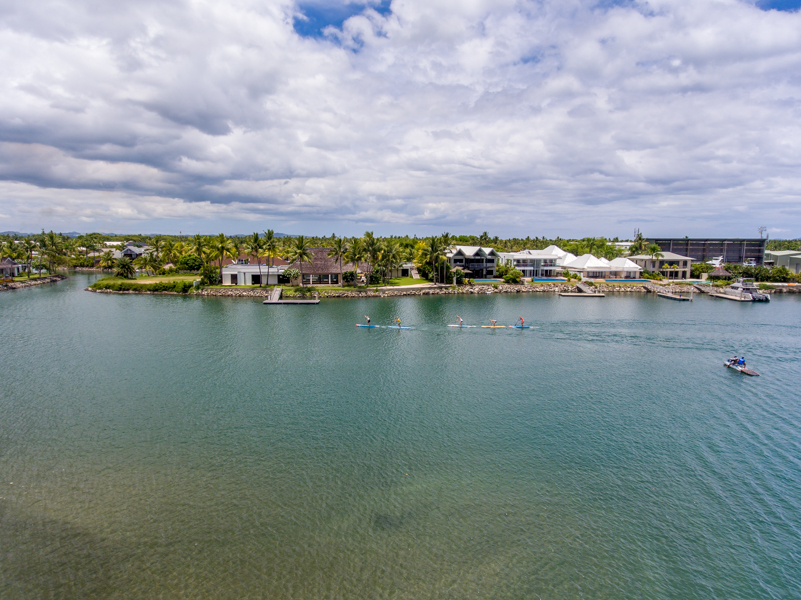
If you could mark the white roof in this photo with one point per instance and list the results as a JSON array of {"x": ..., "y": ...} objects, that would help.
[
  {"x": 253, "y": 269},
  {"x": 665, "y": 256},
  {"x": 471, "y": 250},
  {"x": 624, "y": 264},
  {"x": 604, "y": 260},
  {"x": 556, "y": 250},
  {"x": 587, "y": 262},
  {"x": 565, "y": 258}
]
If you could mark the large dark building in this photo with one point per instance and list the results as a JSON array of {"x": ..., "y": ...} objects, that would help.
[{"x": 733, "y": 250}]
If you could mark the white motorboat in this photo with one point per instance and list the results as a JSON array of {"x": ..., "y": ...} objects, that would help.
[{"x": 746, "y": 289}]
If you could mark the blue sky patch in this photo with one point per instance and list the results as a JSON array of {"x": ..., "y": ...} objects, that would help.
[
  {"x": 320, "y": 15},
  {"x": 785, "y": 5}
]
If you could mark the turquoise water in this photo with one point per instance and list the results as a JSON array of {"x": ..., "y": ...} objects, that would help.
[{"x": 159, "y": 446}]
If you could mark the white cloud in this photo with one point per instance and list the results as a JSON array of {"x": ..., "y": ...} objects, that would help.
[{"x": 526, "y": 117}]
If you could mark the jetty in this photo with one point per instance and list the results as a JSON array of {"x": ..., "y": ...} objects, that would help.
[
  {"x": 585, "y": 291},
  {"x": 668, "y": 292},
  {"x": 275, "y": 298}
]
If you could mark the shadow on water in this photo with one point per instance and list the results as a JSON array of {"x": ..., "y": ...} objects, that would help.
[{"x": 43, "y": 557}]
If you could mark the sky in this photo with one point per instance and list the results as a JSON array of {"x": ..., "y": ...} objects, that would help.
[{"x": 521, "y": 118}]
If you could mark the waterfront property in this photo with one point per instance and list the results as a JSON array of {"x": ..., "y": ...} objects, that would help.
[
  {"x": 733, "y": 250},
  {"x": 324, "y": 270},
  {"x": 623, "y": 268},
  {"x": 670, "y": 265},
  {"x": 589, "y": 267},
  {"x": 784, "y": 258},
  {"x": 240, "y": 274},
  {"x": 531, "y": 263},
  {"x": 10, "y": 268},
  {"x": 477, "y": 261}
]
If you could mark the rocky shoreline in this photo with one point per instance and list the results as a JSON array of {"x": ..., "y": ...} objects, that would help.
[
  {"x": 18, "y": 285},
  {"x": 502, "y": 288}
]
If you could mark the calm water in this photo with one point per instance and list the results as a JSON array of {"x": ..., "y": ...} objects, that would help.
[{"x": 217, "y": 448}]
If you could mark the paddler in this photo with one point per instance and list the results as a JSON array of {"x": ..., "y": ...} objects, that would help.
[
  {"x": 494, "y": 322},
  {"x": 461, "y": 322},
  {"x": 522, "y": 321},
  {"x": 398, "y": 321},
  {"x": 368, "y": 319}
]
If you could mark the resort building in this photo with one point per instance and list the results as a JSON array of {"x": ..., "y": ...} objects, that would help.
[
  {"x": 733, "y": 250},
  {"x": 324, "y": 270},
  {"x": 476, "y": 261},
  {"x": 9, "y": 267},
  {"x": 531, "y": 263},
  {"x": 623, "y": 268},
  {"x": 589, "y": 267},
  {"x": 236, "y": 274},
  {"x": 669, "y": 265},
  {"x": 784, "y": 258}
]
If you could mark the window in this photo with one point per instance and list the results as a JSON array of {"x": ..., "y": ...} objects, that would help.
[
  {"x": 255, "y": 279},
  {"x": 334, "y": 277}
]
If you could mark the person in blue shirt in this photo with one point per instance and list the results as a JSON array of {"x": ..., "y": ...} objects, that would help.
[{"x": 741, "y": 362}]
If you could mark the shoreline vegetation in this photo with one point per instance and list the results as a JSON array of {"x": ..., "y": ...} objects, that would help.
[{"x": 20, "y": 283}]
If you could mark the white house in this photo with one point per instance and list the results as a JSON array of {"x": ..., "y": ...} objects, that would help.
[
  {"x": 589, "y": 267},
  {"x": 670, "y": 265},
  {"x": 249, "y": 275},
  {"x": 480, "y": 262},
  {"x": 532, "y": 263},
  {"x": 623, "y": 268}
]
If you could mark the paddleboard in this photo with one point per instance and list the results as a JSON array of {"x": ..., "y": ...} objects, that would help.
[
  {"x": 493, "y": 326},
  {"x": 360, "y": 325},
  {"x": 462, "y": 326},
  {"x": 519, "y": 326},
  {"x": 397, "y": 327},
  {"x": 743, "y": 370}
]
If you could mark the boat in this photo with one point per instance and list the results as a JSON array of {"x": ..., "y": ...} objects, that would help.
[
  {"x": 746, "y": 289},
  {"x": 741, "y": 369},
  {"x": 363, "y": 325}
]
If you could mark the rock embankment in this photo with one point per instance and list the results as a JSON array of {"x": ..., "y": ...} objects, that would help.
[
  {"x": 18, "y": 285},
  {"x": 502, "y": 288}
]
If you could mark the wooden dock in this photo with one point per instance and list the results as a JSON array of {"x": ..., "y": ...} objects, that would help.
[
  {"x": 581, "y": 295},
  {"x": 275, "y": 298},
  {"x": 728, "y": 297}
]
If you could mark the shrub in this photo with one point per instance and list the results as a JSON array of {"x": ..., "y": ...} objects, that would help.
[
  {"x": 495, "y": 286},
  {"x": 292, "y": 274},
  {"x": 210, "y": 277},
  {"x": 458, "y": 276},
  {"x": 471, "y": 281},
  {"x": 348, "y": 276},
  {"x": 512, "y": 276},
  {"x": 124, "y": 268},
  {"x": 189, "y": 262},
  {"x": 375, "y": 279},
  {"x": 116, "y": 285}
]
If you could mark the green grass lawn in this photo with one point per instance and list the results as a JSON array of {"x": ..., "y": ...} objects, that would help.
[
  {"x": 405, "y": 281},
  {"x": 33, "y": 276}
]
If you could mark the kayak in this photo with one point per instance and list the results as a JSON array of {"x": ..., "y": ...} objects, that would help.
[
  {"x": 741, "y": 369},
  {"x": 462, "y": 326},
  {"x": 493, "y": 326},
  {"x": 519, "y": 326},
  {"x": 397, "y": 327},
  {"x": 360, "y": 325}
]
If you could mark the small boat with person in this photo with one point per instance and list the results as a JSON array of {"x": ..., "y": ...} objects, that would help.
[{"x": 738, "y": 364}]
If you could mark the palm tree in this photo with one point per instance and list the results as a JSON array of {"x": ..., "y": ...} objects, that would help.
[
  {"x": 222, "y": 248},
  {"x": 253, "y": 246},
  {"x": 371, "y": 248},
  {"x": 433, "y": 251},
  {"x": 124, "y": 268},
  {"x": 272, "y": 248},
  {"x": 339, "y": 247},
  {"x": 391, "y": 257},
  {"x": 168, "y": 250},
  {"x": 656, "y": 253},
  {"x": 638, "y": 245},
  {"x": 28, "y": 246},
  {"x": 156, "y": 245},
  {"x": 355, "y": 253},
  {"x": 299, "y": 251},
  {"x": 447, "y": 241},
  {"x": 107, "y": 260}
]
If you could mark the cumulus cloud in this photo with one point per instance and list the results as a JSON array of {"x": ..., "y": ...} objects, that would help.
[{"x": 523, "y": 117}]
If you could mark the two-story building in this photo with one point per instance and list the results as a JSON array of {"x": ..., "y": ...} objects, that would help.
[
  {"x": 477, "y": 261},
  {"x": 532, "y": 263},
  {"x": 669, "y": 265}
]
